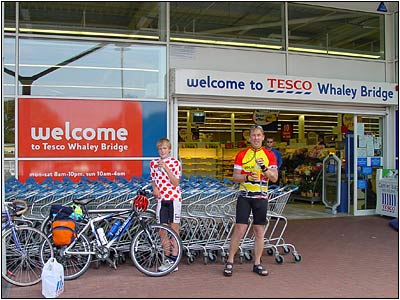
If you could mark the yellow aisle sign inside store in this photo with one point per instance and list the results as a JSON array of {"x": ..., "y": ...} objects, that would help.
[{"x": 265, "y": 117}]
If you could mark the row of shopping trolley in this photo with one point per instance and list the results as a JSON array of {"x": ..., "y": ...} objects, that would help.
[
  {"x": 207, "y": 219},
  {"x": 107, "y": 194}
]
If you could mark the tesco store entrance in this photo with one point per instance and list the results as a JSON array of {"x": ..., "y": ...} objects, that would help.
[{"x": 309, "y": 119}]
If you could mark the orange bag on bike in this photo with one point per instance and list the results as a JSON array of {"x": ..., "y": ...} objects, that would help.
[{"x": 63, "y": 232}]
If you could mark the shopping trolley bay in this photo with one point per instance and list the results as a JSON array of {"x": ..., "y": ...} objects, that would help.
[{"x": 207, "y": 222}]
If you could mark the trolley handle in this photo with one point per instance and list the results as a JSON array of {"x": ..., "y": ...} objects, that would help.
[
  {"x": 256, "y": 195},
  {"x": 289, "y": 188},
  {"x": 271, "y": 193}
]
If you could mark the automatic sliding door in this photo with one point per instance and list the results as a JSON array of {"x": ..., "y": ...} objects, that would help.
[{"x": 364, "y": 156}]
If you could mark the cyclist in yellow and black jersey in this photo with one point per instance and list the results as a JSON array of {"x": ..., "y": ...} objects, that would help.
[
  {"x": 251, "y": 162},
  {"x": 253, "y": 166}
]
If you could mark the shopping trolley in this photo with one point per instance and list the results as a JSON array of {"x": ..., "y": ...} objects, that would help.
[{"x": 275, "y": 227}]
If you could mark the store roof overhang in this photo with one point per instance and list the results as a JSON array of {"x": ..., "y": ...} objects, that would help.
[{"x": 279, "y": 104}]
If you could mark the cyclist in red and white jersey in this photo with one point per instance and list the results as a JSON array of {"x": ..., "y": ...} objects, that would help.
[{"x": 165, "y": 173}]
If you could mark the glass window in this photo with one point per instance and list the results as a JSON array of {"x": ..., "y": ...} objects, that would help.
[
  {"x": 130, "y": 19},
  {"x": 9, "y": 126},
  {"x": 9, "y": 15},
  {"x": 248, "y": 24},
  {"x": 9, "y": 168},
  {"x": 396, "y": 35},
  {"x": 9, "y": 133},
  {"x": 338, "y": 32},
  {"x": 92, "y": 69},
  {"x": 396, "y": 44},
  {"x": 8, "y": 79}
]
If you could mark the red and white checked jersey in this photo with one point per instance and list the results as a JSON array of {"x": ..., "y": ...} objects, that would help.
[{"x": 168, "y": 191}]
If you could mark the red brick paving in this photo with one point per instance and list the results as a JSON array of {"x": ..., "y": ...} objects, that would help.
[{"x": 345, "y": 257}]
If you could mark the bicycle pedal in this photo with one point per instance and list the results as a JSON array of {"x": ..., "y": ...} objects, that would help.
[{"x": 112, "y": 263}]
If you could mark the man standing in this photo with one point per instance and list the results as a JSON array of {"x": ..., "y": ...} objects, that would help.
[
  {"x": 253, "y": 168},
  {"x": 270, "y": 146}
]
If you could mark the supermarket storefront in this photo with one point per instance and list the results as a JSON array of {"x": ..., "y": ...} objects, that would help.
[{"x": 214, "y": 89}]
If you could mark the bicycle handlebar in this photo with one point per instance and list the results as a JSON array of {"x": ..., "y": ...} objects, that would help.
[{"x": 17, "y": 204}]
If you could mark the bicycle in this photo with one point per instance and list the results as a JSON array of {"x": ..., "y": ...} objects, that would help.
[
  {"x": 149, "y": 249},
  {"x": 25, "y": 249}
]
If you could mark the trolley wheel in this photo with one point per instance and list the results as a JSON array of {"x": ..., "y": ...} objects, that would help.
[
  {"x": 190, "y": 260},
  {"x": 205, "y": 259},
  {"x": 241, "y": 258},
  {"x": 286, "y": 249},
  {"x": 223, "y": 259},
  {"x": 212, "y": 257},
  {"x": 270, "y": 251},
  {"x": 297, "y": 258},
  {"x": 248, "y": 256},
  {"x": 121, "y": 258},
  {"x": 279, "y": 259}
]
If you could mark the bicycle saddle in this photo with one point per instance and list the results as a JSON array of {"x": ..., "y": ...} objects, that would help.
[{"x": 84, "y": 200}]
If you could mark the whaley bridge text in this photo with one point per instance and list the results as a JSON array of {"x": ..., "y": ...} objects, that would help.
[{"x": 84, "y": 147}]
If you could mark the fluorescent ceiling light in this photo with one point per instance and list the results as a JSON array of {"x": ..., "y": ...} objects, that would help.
[
  {"x": 88, "y": 33},
  {"x": 82, "y": 87},
  {"x": 353, "y": 54},
  {"x": 86, "y": 67},
  {"x": 192, "y": 40},
  {"x": 307, "y": 50},
  {"x": 225, "y": 43},
  {"x": 333, "y": 52}
]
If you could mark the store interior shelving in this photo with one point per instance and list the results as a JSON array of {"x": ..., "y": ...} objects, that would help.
[
  {"x": 202, "y": 160},
  {"x": 199, "y": 161}
]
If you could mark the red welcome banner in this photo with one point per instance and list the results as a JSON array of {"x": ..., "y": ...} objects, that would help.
[
  {"x": 79, "y": 128},
  {"x": 68, "y": 128}
]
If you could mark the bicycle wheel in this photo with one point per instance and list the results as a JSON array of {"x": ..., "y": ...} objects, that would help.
[
  {"x": 23, "y": 255},
  {"x": 74, "y": 262},
  {"x": 124, "y": 242},
  {"x": 151, "y": 247},
  {"x": 45, "y": 227}
]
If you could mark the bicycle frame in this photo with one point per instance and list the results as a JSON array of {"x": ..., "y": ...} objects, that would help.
[
  {"x": 10, "y": 225},
  {"x": 121, "y": 230},
  {"x": 149, "y": 244}
]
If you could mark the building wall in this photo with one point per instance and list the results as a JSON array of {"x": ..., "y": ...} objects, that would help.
[{"x": 367, "y": 6}]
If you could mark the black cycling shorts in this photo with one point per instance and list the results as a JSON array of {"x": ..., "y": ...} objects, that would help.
[
  {"x": 168, "y": 212},
  {"x": 246, "y": 205}
]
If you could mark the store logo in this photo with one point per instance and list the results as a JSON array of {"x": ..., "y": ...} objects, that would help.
[
  {"x": 289, "y": 86},
  {"x": 57, "y": 133}
]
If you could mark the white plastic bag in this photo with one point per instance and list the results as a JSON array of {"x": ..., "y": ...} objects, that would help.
[{"x": 52, "y": 279}]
